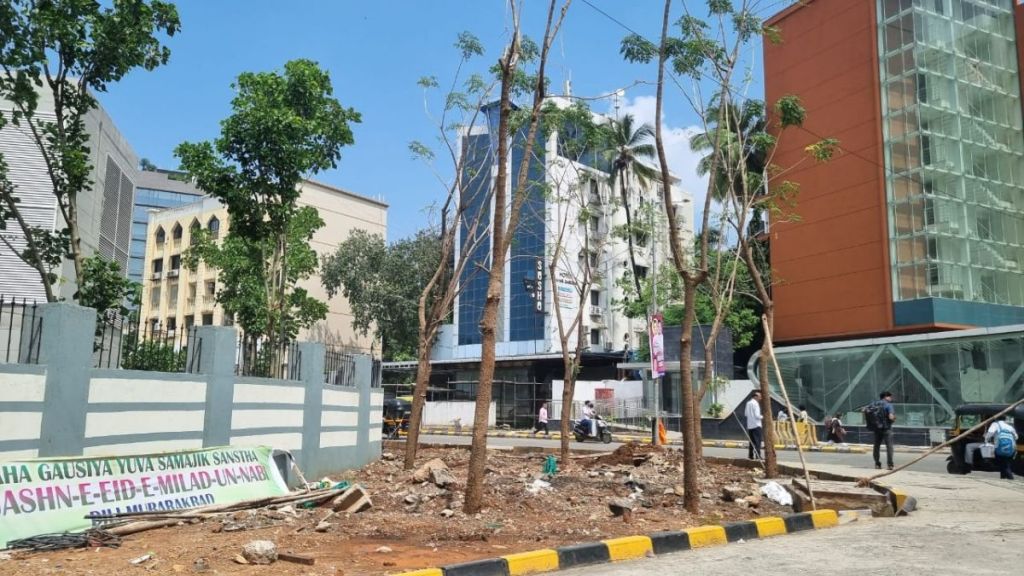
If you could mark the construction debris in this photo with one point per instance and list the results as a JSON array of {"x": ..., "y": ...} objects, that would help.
[
  {"x": 260, "y": 552},
  {"x": 352, "y": 501},
  {"x": 296, "y": 558},
  {"x": 425, "y": 472}
]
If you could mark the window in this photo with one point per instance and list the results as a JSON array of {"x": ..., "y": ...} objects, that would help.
[
  {"x": 214, "y": 227},
  {"x": 154, "y": 297},
  {"x": 640, "y": 271},
  {"x": 172, "y": 294},
  {"x": 193, "y": 232},
  {"x": 595, "y": 298},
  {"x": 595, "y": 225},
  {"x": 172, "y": 324},
  {"x": 158, "y": 266},
  {"x": 176, "y": 232},
  {"x": 595, "y": 337},
  {"x": 211, "y": 287},
  {"x": 593, "y": 260},
  {"x": 190, "y": 321},
  {"x": 208, "y": 319},
  {"x": 176, "y": 262},
  {"x": 160, "y": 235},
  {"x": 595, "y": 193}
]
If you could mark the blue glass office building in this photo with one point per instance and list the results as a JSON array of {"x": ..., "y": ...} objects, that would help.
[{"x": 154, "y": 191}]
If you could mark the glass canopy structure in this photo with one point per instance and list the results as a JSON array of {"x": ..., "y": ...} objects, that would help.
[{"x": 929, "y": 374}]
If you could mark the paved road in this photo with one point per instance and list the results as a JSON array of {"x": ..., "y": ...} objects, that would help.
[
  {"x": 964, "y": 525},
  {"x": 935, "y": 464}
]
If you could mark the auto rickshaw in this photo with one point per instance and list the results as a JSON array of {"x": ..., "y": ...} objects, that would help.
[
  {"x": 396, "y": 417},
  {"x": 968, "y": 416}
]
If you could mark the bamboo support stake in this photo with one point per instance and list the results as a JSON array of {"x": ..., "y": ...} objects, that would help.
[
  {"x": 789, "y": 409},
  {"x": 979, "y": 426}
]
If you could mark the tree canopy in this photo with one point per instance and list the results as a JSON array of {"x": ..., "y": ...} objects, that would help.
[
  {"x": 383, "y": 285},
  {"x": 68, "y": 49}
]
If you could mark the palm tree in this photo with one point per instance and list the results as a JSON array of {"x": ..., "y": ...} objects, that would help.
[
  {"x": 739, "y": 141},
  {"x": 626, "y": 147}
]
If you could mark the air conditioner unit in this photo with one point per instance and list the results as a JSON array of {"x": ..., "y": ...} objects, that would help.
[
  {"x": 172, "y": 274},
  {"x": 157, "y": 275},
  {"x": 609, "y": 347},
  {"x": 596, "y": 311}
]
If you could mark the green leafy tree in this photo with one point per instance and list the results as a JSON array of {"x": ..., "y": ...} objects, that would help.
[
  {"x": 383, "y": 284},
  {"x": 69, "y": 49},
  {"x": 284, "y": 127},
  {"x": 244, "y": 276},
  {"x": 104, "y": 286}
]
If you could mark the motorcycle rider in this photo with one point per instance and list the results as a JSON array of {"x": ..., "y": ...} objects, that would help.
[{"x": 590, "y": 417}]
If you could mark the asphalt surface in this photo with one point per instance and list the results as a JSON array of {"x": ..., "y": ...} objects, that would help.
[{"x": 935, "y": 464}]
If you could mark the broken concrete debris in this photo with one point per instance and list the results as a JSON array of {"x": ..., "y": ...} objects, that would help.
[{"x": 260, "y": 552}]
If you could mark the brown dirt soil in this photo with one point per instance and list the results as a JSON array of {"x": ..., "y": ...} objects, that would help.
[{"x": 574, "y": 509}]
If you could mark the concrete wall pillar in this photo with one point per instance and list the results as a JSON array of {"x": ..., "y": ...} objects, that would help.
[
  {"x": 364, "y": 378},
  {"x": 312, "y": 358},
  {"x": 68, "y": 334},
  {"x": 217, "y": 349}
]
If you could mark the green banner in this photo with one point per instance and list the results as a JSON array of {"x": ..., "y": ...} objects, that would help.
[{"x": 61, "y": 494}]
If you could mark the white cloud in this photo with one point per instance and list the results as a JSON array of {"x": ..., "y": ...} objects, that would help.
[{"x": 681, "y": 160}]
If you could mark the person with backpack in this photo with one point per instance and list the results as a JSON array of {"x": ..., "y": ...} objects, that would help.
[
  {"x": 1005, "y": 439},
  {"x": 879, "y": 417}
]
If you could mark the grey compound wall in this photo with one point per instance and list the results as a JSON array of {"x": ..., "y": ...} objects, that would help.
[{"x": 65, "y": 407}]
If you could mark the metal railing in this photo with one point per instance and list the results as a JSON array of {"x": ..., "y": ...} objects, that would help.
[
  {"x": 340, "y": 366},
  {"x": 265, "y": 358},
  {"x": 123, "y": 342},
  {"x": 21, "y": 331}
]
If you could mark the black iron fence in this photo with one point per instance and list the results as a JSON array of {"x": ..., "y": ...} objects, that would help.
[
  {"x": 340, "y": 366},
  {"x": 21, "y": 331},
  {"x": 265, "y": 358},
  {"x": 124, "y": 342}
]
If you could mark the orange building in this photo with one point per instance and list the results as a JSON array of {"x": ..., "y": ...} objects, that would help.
[{"x": 918, "y": 225}]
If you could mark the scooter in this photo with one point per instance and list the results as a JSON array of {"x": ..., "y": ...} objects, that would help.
[{"x": 581, "y": 430}]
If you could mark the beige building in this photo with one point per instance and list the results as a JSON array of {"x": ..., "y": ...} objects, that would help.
[{"x": 175, "y": 298}]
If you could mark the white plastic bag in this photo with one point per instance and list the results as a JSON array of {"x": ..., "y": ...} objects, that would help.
[
  {"x": 988, "y": 451},
  {"x": 776, "y": 493}
]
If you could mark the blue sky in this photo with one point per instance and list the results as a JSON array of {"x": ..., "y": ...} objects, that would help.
[{"x": 375, "y": 52}]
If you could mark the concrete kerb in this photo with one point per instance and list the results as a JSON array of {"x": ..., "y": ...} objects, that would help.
[{"x": 635, "y": 547}]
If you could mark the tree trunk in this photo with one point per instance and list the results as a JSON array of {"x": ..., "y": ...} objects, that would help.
[
  {"x": 495, "y": 289},
  {"x": 771, "y": 465},
  {"x": 565, "y": 425},
  {"x": 76, "y": 241},
  {"x": 419, "y": 399},
  {"x": 629, "y": 233},
  {"x": 691, "y": 497}
]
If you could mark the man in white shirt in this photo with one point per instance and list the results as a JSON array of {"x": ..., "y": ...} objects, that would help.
[
  {"x": 1000, "y": 428},
  {"x": 752, "y": 412}
]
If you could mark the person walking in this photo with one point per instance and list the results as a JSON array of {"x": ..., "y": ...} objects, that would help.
[
  {"x": 542, "y": 420},
  {"x": 879, "y": 417},
  {"x": 752, "y": 412},
  {"x": 1005, "y": 439}
]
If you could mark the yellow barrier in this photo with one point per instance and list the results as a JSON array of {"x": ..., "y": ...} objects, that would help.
[
  {"x": 532, "y": 562},
  {"x": 629, "y": 548},
  {"x": 807, "y": 433},
  {"x": 771, "y": 526}
]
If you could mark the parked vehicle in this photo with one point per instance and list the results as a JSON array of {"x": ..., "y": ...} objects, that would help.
[
  {"x": 968, "y": 416},
  {"x": 581, "y": 430},
  {"x": 396, "y": 417}
]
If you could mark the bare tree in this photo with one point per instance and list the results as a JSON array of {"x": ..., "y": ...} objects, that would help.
[
  {"x": 461, "y": 191},
  {"x": 571, "y": 209},
  {"x": 502, "y": 227}
]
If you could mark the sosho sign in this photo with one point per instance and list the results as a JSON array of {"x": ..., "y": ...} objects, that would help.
[{"x": 69, "y": 494}]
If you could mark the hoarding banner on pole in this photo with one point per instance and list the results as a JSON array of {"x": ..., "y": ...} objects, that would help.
[
  {"x": 657, "y": 346},
  {"x": 45, "y": 496}
]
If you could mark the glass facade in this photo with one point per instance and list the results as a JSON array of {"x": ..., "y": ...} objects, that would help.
[
  {"x": 953, "y": 150},
  {"x": 929, "y": 376},
  {"x": 147, "y": 199},
  {"x": 475, "y": 186}
]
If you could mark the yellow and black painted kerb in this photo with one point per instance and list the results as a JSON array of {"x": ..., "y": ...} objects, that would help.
[{"x": 633, "y": 547}]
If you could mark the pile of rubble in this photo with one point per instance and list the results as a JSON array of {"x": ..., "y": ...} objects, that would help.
[{"x": 417, "y": 518}]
